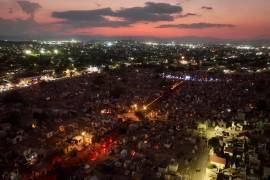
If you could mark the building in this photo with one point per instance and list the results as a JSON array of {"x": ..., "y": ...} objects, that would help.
[{"x": 217, "y": 161}]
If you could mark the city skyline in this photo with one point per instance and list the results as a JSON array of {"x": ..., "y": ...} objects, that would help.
[{"x": 39, "y": 19}]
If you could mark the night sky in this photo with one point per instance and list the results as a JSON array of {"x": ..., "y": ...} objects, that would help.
[{"x": 228, "y": 19}]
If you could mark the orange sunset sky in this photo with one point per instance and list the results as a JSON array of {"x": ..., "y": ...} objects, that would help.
[{"x": 228, "y": 19}]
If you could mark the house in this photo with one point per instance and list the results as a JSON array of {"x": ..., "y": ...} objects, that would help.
[
  {"x": 241, "y": 116},
  {"x": 30, "y": 156},
  {"x": 262, "y": 147},
  {"x": 129, "y": 116},
  {"x": 266, "y": 172},
  {"x": 49, "y": 134},
  {"x": 173, "y": 168},
  {"x": 239, "y": 127},
  {"x": 211, "y": 173},
  {"x": 222, "y": 124},
  {"x": 253, "y": 177},
  {"x": 172, "y": 177},
  {"x": 218, "y": 131},
  {"x": 5, "y": 126},
  {"x": 254, "y": 161},
  {"x": 17, "y": 139},
  {"x": 79, "y": 142},
  {"x": 202, "y": 126},
  {"x": 219, "y": 162}
]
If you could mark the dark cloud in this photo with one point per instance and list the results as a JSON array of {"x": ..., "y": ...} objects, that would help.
[
  {"x": 207, "y": 7},
  {"x": 29, "y": 7},
  {"x": 18, "y": 26},
  {"x": 85, "y": 18},
  {"x": 151, "y": 12},
  {"x": 23, "y": 27},
  {"x": 188, "y": 15},
  {"x": 84, "y": 15},
  {"x": 196, "y": 26},
  {"x": 28, "y": 29}
]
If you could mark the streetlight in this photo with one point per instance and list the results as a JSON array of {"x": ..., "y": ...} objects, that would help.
[
  {"x": 55, "y": 51},
  {"x": 42, "y": 51},
  {"x": 83, "y": 135},
  {"x": 34, "y": 125},
  {"x": 28, "y": 52},
  {"x": 144, "y": 107},
  {"x": 135, "y": 106}
]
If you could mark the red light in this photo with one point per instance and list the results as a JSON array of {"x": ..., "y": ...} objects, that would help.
[
  {"x": 57, "y": 159},
  {"x": 101, "y": 150},
  {"x": 104, "y": 150},
  {"x": 93, "y": 158}
]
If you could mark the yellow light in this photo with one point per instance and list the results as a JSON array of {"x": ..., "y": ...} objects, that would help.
[
  {"x": 42, "y": 51},
  {"x": 61, "y": 128},
  {"x": 83, "y": 133},
  {"x": 34, "y": 125},
  {"x": 144, "y": 107},
  {"x": 135, "y": 106},
  {"x": 28, "y": 52},
  {"x": 55, "y": 51}
]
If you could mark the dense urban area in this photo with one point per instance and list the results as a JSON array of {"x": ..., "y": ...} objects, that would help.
[{"x": 134, "y": 110}]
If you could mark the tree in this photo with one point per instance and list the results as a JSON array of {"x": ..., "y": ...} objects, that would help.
[
  {"x": 73, "y": 153},
  {"x": 13, "y": 117},
  {"x": 13, "y": 97},
  {"x": 117, "y": 91},
  {"x": 211, "y": 166},
  {"x": 260, "y": 86},
  {"x": 214, "y": 142},
  {"x": 262, "y": 105},
  {"x": 99, "y": 80}
]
